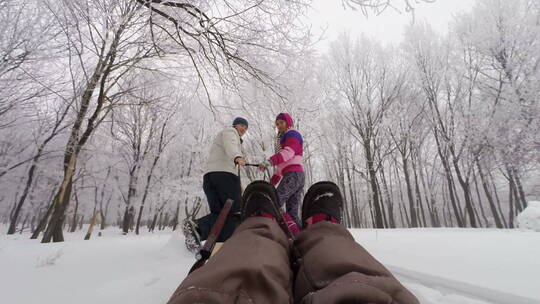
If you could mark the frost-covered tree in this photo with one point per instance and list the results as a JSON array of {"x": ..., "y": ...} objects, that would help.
[{"x": 367, "y": 81}]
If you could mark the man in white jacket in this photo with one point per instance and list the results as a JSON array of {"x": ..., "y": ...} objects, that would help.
[{"x": 221, "y": 180}]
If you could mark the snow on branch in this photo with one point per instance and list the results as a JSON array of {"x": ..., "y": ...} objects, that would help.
[
  {"x": 378, "y": 6},
  {"x": 227, "y": 39}
]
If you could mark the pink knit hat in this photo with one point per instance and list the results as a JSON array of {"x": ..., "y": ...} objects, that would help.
[{"x": 287, "y": 118}]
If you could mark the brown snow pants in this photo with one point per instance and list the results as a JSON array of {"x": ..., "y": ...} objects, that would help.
[{"x": 253, "y": 266}]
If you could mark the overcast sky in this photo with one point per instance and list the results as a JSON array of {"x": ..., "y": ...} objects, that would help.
[{"x": 387, "y": 27}]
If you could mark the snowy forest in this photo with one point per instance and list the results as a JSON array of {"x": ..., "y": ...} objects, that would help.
[{"x": 108, "y": 108}]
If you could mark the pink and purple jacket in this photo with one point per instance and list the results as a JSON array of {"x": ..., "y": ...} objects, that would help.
[{"x": 290, "y": 156}]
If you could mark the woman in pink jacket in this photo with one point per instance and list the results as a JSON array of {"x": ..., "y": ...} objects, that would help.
[{"x": 289, "y": 171}]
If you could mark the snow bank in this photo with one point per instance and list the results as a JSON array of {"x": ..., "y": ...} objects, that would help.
[{"x": 529, "y": 219}]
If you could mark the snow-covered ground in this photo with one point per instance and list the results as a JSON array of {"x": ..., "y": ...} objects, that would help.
[
  {"x": 146, "y": 269},
  {"x": 505, "y": 262}
]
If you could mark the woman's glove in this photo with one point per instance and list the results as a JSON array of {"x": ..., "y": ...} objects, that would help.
[
  {"x": 274, "y": 180},
  {"x": 264, "y": 165}
]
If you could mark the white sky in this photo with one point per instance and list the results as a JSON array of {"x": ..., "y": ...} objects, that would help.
[{"x": 387, "y": 27}]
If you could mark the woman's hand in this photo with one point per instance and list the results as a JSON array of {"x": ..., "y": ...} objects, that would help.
[{"x": 264, "y": 165}]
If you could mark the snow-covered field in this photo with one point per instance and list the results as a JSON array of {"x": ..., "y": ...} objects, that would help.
[
  {"x": 505, "y": 262},
  {"x": 446, "y": 266}
]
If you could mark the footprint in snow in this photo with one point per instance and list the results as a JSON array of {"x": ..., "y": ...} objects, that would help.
[{"x": 49, "y": 260}]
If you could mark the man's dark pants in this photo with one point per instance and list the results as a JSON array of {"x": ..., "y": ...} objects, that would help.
[{"x": 218, "y": 187}]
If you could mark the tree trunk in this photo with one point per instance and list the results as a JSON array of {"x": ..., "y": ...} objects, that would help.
[
  {"x": 450, "y": 220},
  {"x": 103, "y": 214},
  {"x": 75, "y": 218},
  {"x": 489, "y": 197},
  {"x": 18, "y": 208},
  {"x": 521, "y": 193},
  {"x": 153, "y": 223},
  {"x": 43, "y": 220},
  {"x": 379, "y": 218},
  {"x": 160, "y": 220},
  {"x": 383, "y": 206},
  {"x": 340, "y": 175},
  {"x": 418, "y": 194},
  {"x": 403, "y": 214},
  {"x": 389, "y": 203},
  {"x": 449, "y": 183},
  {"x": 24, "y": 223},
  {"x": 91, "y": 227},
  {"x": 511, "y": 204},
  {"x": 519, "y": 203},
  {"x": 407, "y": 223},
  {"x": 354, "y": 212},
  {"x": 499, "y": 207},
  {"x": 430, "y": 200},
  {"x": 33, "y": 223},
  {"x": 60, "y": 202},
  {"x": 486, "y": 222},
  {"x": 467, "y": 194},
  {"x": 132, "y": 191},
  {"x": 391, "y": 198},
  {"x": 445, "y": 195}
]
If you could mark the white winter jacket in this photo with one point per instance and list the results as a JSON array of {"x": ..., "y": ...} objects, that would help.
[{"x": 225, "y": 148}]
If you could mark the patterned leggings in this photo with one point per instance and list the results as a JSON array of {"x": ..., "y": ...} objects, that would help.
[{"x": 290, "y": 191}]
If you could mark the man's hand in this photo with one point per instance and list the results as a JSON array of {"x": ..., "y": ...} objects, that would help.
[{"x": 240, "y": 161}]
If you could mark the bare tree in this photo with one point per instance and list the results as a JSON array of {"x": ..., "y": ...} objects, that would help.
[
  {"x": 117, "y": 47},
  {"x": 24, "y": 36},
  {"x": 164, "y": 140},
  {"x": 55, "y": 129},
  {"x": 368, "y": 83},
  {"x": 134, "y": 127}
]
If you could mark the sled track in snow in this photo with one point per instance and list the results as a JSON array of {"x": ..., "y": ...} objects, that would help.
[{"x": 461, "y": 288}]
